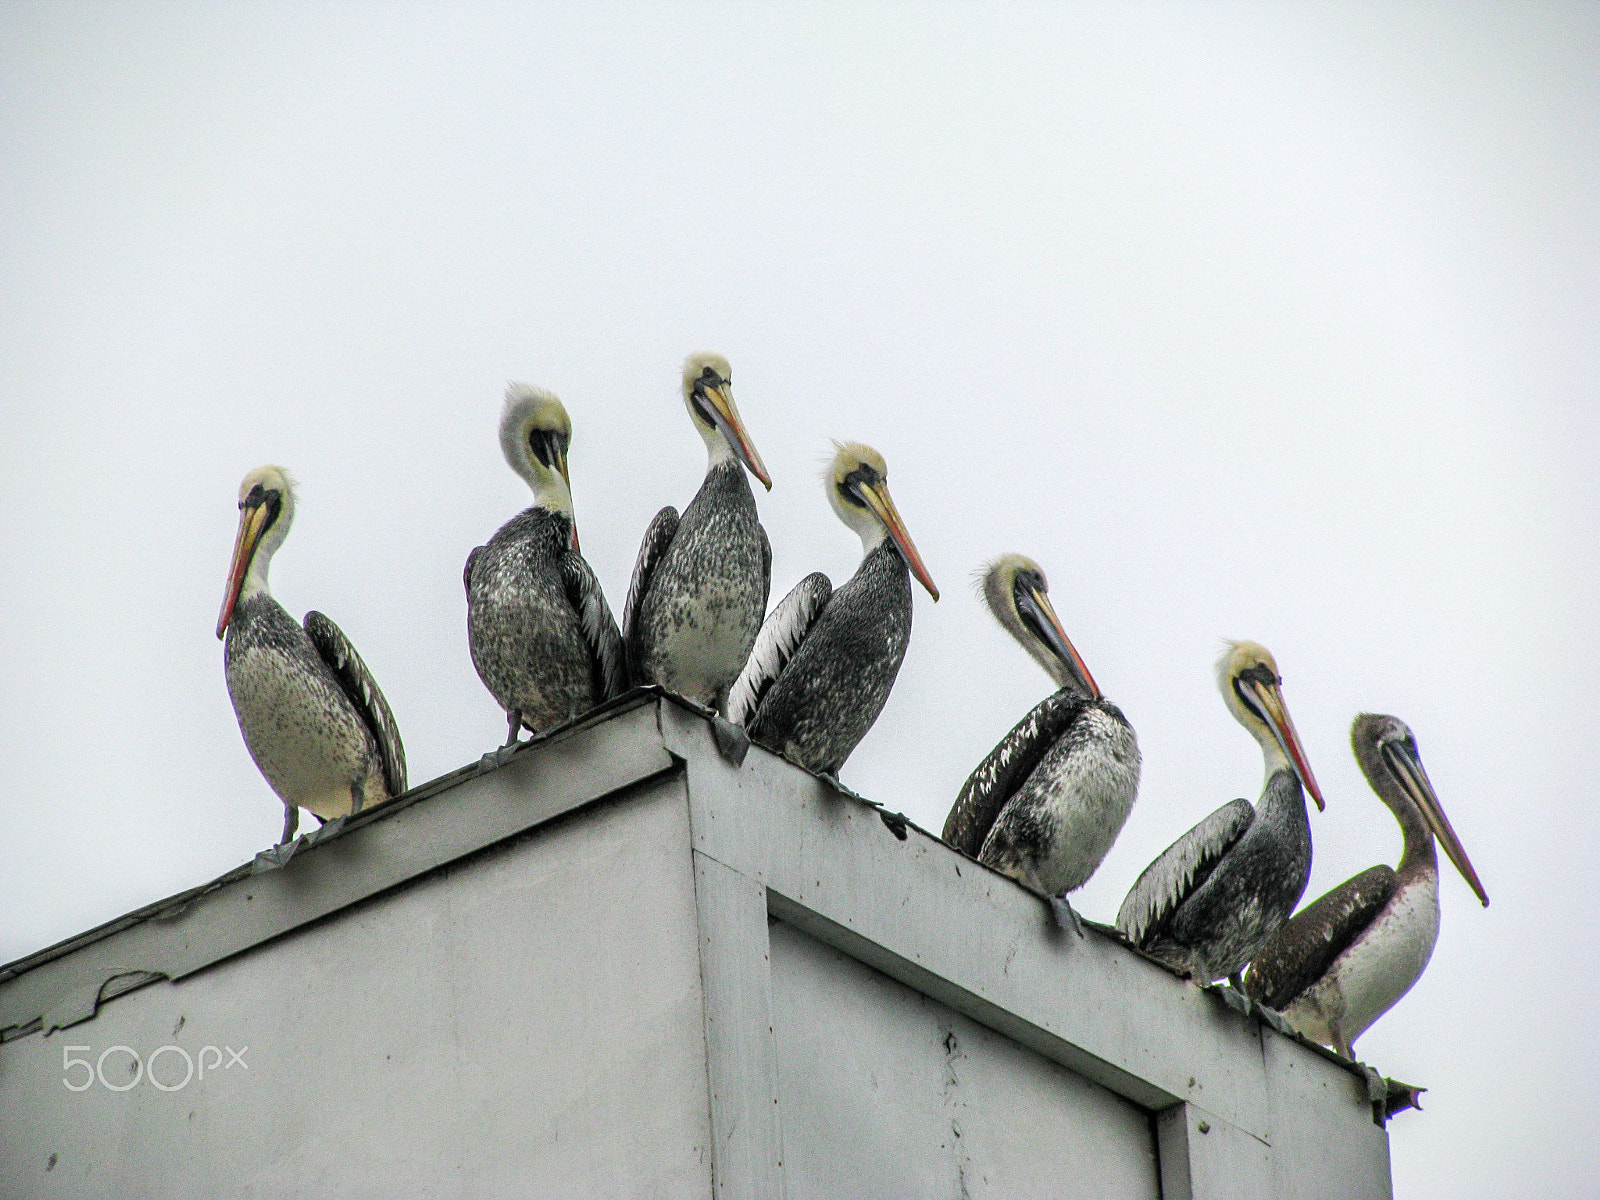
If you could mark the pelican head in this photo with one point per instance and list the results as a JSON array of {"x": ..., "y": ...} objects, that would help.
[
  {"x": 1387, "y": 752},
  {"x": 1252, "y": 691},
  {"x": 534, "y": 435},
  {"x": 708, "y": 391},
  {"x": 266, "y": 509},
  {"x": 1017, "y": 593},
  {"x": 858, "y": 489}
]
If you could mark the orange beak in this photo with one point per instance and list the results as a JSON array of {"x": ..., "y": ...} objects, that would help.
[
  {"x": 726, "y": 416},
  {"x": 252, "y": 524},
  {"x": 1056, "y": 638},
  {"x": 1270, "y": 700},
  {"x": 877, "y": 497}
]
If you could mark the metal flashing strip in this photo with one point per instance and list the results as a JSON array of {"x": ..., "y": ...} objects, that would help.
[{"x": 457, "y": 815}]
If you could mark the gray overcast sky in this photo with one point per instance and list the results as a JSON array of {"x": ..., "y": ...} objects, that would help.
[{"x": 1269, "y": 321}]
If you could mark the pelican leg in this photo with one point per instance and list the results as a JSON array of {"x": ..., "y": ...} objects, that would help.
[
  {"x": 732, "y": 741},
  {"x": 1066, "y": 916},
  {"x": 502, "y": 755},
  {"x": 291, "y": 823}
]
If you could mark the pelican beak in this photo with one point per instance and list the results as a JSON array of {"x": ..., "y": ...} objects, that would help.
[
  {"x": 559, "y": 448},
  {"x": 252, "y": 524},
  {"x": 877, "y": 497},
  {"x": 1036, "y": 610},
  {"x": 719, "y": 398},
  {"x": 1413, "y": 779},
  {"x": 1270, "y": 701},
  {"x": 560, "y": 456}
]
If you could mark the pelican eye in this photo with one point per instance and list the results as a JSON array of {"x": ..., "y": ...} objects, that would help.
[
  {"x": 709, "y": 379},
  {"x": 864, "y": 474},
  {"x": 1259, "y": 673},
  {"x": 261, "y": 497}
]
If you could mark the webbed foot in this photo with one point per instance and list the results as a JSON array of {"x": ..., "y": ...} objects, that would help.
[
  {"x": 732, "y": 741},
  {"x": 1066, "y": 916},
  {"x": 329, "y": 829},
  {"x": 500, "y": 757}
]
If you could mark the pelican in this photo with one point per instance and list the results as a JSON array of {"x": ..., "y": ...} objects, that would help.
[
  {"x": 311, "y": 713},
  {"x": 700, "y": 583},
  {"x": 1218, "y": 892},
  {"x": 825, "y": 661},
  {"x": 1346, "y": 959},
  {"x": 1048, "y": 802},
  {"x": 540, "y": 631}
]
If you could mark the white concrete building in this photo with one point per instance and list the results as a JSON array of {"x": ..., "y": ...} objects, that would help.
[{"x": 622, "y": 966}]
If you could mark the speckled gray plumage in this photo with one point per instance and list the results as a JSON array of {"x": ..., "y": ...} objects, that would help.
[
  {"x": 1006, "y": 768},
  {"x": 540, "y": 632},
  {"x": 1219, "y": 892},
  {"x": 306, "y": 732},
  {"x": 697, "y": 602},
  {"x": 1056, "y": 791},
  {"x": 782, "y": 634},
  {"x": 337, "y": 651},
  {"x": 829, "y": 694}
]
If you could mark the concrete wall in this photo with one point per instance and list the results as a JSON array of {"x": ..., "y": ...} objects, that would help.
[
  {"x": 879, "y": 1082},
  {"x": 525, "y": 1024},
  {"x": 621, "y": 965}
]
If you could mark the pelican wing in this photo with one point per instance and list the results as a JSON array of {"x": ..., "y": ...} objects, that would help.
[
  {"x": 766, "y": 567},
  {"x": 656, "y": 540},
  {"x": 1007, "y": 767},
  {"x": 781, "y": 636},
  {"x": 1301, "y": 952},
  {"x": 598, "y": 625},
  {"x": 1182, "y": 867},
  {"x": 335, "y": 649}
]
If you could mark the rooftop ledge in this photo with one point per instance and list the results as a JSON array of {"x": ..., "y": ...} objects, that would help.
[{"x": 1218, "y": 1076}]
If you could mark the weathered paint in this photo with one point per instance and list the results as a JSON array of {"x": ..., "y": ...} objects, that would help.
[
  {"x": 557, "y": 976},
  {"x": 522, "y": 1025}
]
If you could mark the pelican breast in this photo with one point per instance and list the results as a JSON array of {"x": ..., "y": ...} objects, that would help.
[
  {"x": 298, "y": 722},
  {"x": 1378, "y": 967},
  {"x": 700, "y": 614},
  {"x": 832, "y": 690},
  {"x": 526, "y": 638},
  {"x": 1061, "y": 823}
]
